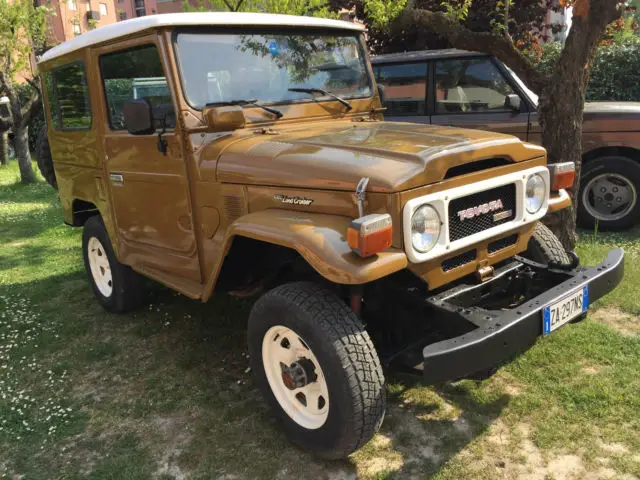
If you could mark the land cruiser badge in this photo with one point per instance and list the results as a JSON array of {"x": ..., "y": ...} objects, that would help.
[{"x": 288, "y": 200}]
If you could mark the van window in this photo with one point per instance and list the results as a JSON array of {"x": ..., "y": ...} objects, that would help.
[
  {"x": 404, "y": 88},
  {"x": 470, "y": 85},
  {"x": 68, "y": 97},
  {"x": 136, "y": 74}
]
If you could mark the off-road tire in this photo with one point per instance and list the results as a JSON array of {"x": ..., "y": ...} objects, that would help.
[
  {"x": 44, "y": 159},
  {"x": 127, "y": 289},
  {"x": 544, "y": 247},
  {"x": 623, "y": 166},
  {"x": 346, "y": 355}
]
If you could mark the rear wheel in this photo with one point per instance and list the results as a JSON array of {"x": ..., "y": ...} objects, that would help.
[
  {"x": 116, "y": 286},
  {"x": 609, "y": 193},
  {"x": 317, "y": 368},
  {"x": 44, "y": 158}
]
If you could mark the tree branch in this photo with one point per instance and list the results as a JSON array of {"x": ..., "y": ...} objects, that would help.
[
  {"x": 501, "y": 47},
  {"x": 31, "y": 108}
]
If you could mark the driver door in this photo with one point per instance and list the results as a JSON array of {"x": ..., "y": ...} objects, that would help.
[
  {"x": 470, "y": 92},
  {"x": 148, "y": 187}
]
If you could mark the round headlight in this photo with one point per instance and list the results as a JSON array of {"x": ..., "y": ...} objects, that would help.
[
  {"x": 425, "y": 228},
  {"x": 536, "y": 192}
]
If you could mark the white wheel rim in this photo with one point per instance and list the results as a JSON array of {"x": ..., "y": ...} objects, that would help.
[
  {"x": 99, "y": 265},
  {"x": 307, "y": 405}
]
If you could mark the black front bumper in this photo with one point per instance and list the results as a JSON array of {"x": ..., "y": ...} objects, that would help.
[{"x": 502, "y": 334}]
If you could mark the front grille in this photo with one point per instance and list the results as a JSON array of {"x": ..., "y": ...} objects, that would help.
[
  {"x": 481, "y": 221},
  {"x": 502, "y": 243},
  {"x": 458, "y": 260}
]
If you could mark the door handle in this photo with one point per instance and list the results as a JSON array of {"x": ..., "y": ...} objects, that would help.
[{"x": 116, "y": 179}]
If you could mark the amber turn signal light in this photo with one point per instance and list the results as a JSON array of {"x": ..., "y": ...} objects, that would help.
[
  {"x": 370, "y": 234},
  {"x": 562, "y": 175}
]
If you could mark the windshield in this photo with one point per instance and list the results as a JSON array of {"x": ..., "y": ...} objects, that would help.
[
  {"x": 532, "y": 96},
  {"x": 219, "y": 68}
]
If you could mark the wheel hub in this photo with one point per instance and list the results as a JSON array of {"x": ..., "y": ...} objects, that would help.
[{"x": 299, "y": 374}]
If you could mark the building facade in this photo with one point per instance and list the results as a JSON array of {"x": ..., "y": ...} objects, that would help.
[{"x": 71, "y": 18}]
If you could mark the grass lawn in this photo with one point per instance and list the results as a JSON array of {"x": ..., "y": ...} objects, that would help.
[{"x": 165, "y": 392}]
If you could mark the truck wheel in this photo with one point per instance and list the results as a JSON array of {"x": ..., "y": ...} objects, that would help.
[
  {"x": 116, "y": 286},
  {"x": 609, "y": 193},
  {"x": 544, "y": 247},
  {"x": 317, "y": 368},
  {"x": 44, "y": 159}
]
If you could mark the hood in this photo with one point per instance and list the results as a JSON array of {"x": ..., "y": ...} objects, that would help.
[
  {"x": 336, "y": 155},
  {"x": 611, "y": 117}
]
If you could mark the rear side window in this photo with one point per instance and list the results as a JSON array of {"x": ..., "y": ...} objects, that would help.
[
  {"x": 405, "y": 88},
  {"x": 468, "y": 85},
  {"x": 136, "y": 74},
  {"x": 68, "y": 96}
]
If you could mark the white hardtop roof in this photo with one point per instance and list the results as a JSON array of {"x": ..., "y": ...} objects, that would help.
[{"x": 224, "y": 19}]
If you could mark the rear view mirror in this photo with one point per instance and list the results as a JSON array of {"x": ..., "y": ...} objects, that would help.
[
  {"x": 226, "y": 118},
  {"x": 138, "y": 117},
  {"x": 381, "y": 93},
  {"x": 512, "y": 102}
]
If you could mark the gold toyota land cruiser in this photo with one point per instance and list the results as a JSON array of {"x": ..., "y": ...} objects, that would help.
[{"x": 246, "y": 153}]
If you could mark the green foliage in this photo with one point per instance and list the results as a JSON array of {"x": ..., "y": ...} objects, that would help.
[
  {"x": 382, "y": 12},
  {"x": 499, "y": 22},
  {"x": 22, "y": 31},
  {"x": 312, "y": 8},
  {"x": 457, "y": 10},
  {"x": 613, "y": 72}
]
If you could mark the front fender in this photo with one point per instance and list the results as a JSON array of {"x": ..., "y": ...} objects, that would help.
[{"x": 320, "y": 239}]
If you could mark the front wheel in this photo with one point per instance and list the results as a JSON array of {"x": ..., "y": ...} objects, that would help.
[
  {"x": 544, "y": 247},
  {"x": 317, "y": 368}
]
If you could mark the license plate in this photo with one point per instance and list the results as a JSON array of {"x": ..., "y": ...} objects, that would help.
[{"x": 565, "y": 310}]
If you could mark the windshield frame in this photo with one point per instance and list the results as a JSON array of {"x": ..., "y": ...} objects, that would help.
[{"x": 252, "y": 30}]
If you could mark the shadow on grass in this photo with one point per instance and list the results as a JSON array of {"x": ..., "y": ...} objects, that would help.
[{"x": 172, "y": 378}]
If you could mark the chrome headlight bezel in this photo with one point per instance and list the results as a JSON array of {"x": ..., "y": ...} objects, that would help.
[{"x": 433, "y": 230}]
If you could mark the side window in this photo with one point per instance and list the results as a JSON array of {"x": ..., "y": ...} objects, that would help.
[
  {"x": 135, "y": 74},
  {"x": 68, "y": 97},
  {"x": 404, "y": 88},
  {"x": 470, "y": 85}
]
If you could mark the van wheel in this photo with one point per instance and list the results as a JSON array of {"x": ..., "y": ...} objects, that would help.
[
  {"x": 116, "y": 286},
  {"x": 317, "y": 368},
  {"x": 44, "y": 159},
  {"x": 609, "y": 193}
]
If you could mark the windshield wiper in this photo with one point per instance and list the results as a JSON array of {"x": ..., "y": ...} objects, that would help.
[
  {"x": 248, "y": 101},
  {"x": 323, "y": 92}
]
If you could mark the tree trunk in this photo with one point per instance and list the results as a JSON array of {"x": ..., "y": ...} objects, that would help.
[
  {"x": 4, "y": 147},
  {"x": 560, "y": 112},
  {"x": 23, "y": 155}
]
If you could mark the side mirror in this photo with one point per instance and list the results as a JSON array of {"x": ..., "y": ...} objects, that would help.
[
  {"x": 225, "y": 118},
  {"x": 512, "y": 102},
  {"x": 381, "y": 93},
  {"x": 138, "y": 117}
]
